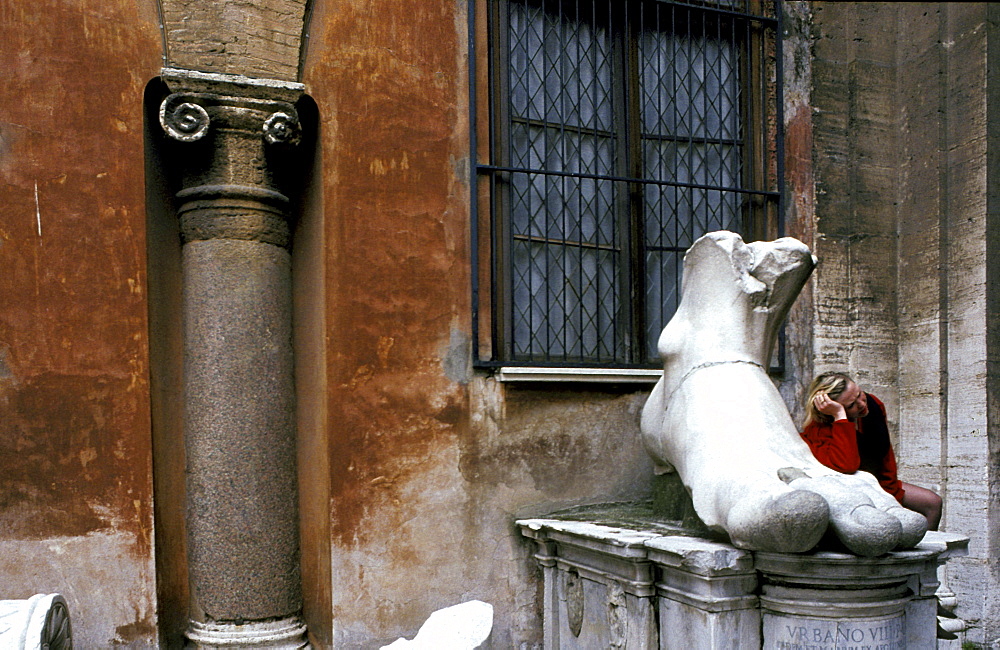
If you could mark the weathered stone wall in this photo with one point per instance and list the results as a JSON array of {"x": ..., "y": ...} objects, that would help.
[
  {"x": 854, "y": 288},
  {"x": 901, "y": 172},
  {"x": 76, "y": 508},
  {"x": 989, "y": 564},
  {"x": 942, "y": 319}
]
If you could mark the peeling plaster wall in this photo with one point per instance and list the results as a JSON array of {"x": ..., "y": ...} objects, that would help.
[
  {"x": 800, "y": 195},
  {"x": 429, "y": 462},
  {"x": 76, "y": 482},
  {"x": 901, "y": 294},
  {"x": 433, "y": 523}
]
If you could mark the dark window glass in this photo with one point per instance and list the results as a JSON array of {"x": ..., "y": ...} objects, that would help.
[{"x": 618, "y": 133}]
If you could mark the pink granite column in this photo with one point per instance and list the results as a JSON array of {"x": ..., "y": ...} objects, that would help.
[{"x": 234, "y": 138}]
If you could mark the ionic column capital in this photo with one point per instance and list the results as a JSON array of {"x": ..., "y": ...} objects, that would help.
[
  {"x": 233, "y": 146},
  {"x": 189, "y": 117}
]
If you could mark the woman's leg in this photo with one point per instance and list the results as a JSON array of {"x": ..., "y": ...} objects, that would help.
[{"x": 925, "y": 502}]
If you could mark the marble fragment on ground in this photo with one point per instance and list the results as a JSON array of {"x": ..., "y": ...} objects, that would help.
[
  {"x": 38, "y": 623},
  {"x": 459, "y": 627}
]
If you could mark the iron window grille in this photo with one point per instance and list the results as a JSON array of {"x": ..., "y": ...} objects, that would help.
[{"x": 609, "y": 135}]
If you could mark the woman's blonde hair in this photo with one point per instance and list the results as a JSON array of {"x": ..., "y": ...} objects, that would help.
[{"x": 831, "y": 383}]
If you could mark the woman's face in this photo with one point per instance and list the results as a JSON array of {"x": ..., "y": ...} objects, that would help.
[{"x": 854, "y": 401}]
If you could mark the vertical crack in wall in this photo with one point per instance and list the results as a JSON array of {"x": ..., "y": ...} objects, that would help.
[{"x": 944, "y": 174}]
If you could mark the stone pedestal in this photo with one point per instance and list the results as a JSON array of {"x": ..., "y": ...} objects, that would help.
[
  {"x": 706, "y": 594},
  {"x": 642, "y": 587},
  {"x": 838, "y": 601},
  {"x": 599, "y": 585}
]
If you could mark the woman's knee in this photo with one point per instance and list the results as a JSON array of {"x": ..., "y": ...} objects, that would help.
[{"x": 924, "y": 501}]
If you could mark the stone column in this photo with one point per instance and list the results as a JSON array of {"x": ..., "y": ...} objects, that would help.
[{"x": 234, "y": 140}]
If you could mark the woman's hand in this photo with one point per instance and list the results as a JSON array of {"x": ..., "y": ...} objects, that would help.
[{"x": 827, "y": 406}]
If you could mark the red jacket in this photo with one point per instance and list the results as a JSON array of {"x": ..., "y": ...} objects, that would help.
[{"x": 836, "y": 445}]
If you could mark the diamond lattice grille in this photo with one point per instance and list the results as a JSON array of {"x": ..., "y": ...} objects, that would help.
[{"x": 624, "y": 139}]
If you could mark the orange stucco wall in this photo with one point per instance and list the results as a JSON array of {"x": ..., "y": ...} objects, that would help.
[
  {"x": 428, "y": 462},
  {"x": 413, "y": 467},
  {"x": 76, "y": 481}
]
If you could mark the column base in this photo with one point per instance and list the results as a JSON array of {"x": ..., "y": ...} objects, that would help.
[{"x": 283, "y": 633}]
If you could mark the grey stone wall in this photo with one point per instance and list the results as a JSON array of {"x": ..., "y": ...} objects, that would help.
[
  {"x": 854, "y": 126},
  {"x": 942, "y": 319},
  {"x": 901, "y": 100}
]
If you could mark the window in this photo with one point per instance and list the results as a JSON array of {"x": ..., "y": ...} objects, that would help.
[{"x": 609, "y": 135}]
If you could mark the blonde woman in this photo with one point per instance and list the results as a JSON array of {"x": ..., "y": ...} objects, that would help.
[{"x": 847, "y": 431}]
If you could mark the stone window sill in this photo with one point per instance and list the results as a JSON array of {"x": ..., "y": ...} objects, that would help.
[{"x": 512, "y": 374}]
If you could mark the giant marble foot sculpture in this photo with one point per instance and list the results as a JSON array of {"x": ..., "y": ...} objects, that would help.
[{"x": 716, "y": 418}]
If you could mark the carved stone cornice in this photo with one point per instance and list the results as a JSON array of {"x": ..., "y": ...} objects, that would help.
[{"x": 234, "y": 139}]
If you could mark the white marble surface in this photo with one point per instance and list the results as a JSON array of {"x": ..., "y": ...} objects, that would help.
[
  {"x": 36, "y": 623},
  {"x": 459, "y": 627}
]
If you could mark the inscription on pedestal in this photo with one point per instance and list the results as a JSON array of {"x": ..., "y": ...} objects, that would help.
[{"x": 797, "y": 633}]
